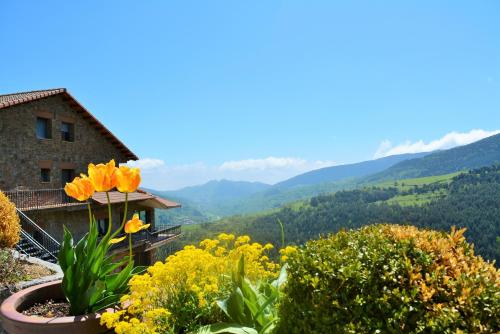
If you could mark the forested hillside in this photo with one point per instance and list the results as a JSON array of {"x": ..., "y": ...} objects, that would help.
[{"x": 470, "y": 200}]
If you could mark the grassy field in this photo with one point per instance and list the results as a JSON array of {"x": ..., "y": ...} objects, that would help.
[
  {"x": 418, "y": 199},
  {"x": 407, "y": 184}
]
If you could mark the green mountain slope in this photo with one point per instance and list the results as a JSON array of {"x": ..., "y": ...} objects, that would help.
[
  {"x": 470, "y": 200},
  {"x": 349, "y": 171},
  {"x": 217, "y": 191},
  {"x": 481, "y": 153},
  {"x": 208, "y": 201},
  {"x": 224, "y": 198}
]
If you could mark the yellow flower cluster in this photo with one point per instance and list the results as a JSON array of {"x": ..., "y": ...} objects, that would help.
[
  {"x": 124, "y": 324},
  {"x": 286, "y": 252},
  {"x": 190, "y": 280},
  {"x": 9, "y": 222}
]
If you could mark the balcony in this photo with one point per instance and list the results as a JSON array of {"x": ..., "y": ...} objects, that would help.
[
  {"x": 150, "y": 239},
  {"x": 26, "y": 200}
]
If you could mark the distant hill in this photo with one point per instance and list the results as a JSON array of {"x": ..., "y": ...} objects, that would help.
[
  {"x": 479, "y": 154},
  {"x": 217, "y": 191},
  {"x": 468, "y": 199},
  {"x": 223, "y": 198},
  {"x": 207, "y": 201},
  {"x": 336, "y": 173}
]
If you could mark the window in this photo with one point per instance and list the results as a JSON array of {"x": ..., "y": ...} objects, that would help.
[
  {"x": 67, "y": 175},
  {"x": 102, "y": 226},
  {"x": 43, "y": 129},
  {"x": 67, "y": 131},
  {"x": 44, "y": 175}
]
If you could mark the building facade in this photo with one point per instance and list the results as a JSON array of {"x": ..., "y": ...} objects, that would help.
[{"x": 46, "y": 139}]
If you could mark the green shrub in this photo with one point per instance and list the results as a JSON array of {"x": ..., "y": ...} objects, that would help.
[
  {"x": 11, "y": 270},
  {"x": 390, "y": 279},
  {"x": 9, "y": 223}
]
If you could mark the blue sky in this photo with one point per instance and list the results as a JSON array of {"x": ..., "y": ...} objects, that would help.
[{"x": 262, "y": 90}]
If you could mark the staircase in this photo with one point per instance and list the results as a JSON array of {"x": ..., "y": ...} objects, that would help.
[{"x": 35, "y": 241}]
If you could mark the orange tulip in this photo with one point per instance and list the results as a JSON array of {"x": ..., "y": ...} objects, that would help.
[
  {"x": 135, "y": 225},
  {"x": 81, "y": 188},
  {"x": 127, "y": 179},
  {"x": 103, "y": 176}
]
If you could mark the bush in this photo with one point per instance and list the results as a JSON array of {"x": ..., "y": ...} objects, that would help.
[
  {"x": 9, "y": 223},
  {"x": 390, "y": 279},
  {"x": 11, "y": 269},
  {"x": 179, "y": 295}
]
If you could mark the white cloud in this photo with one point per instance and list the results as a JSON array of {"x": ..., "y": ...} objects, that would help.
[
  {"x": 157, "y": 174},
  {"x": 449, "y": 140},
  {"x": 146, "y": 163},
  {"x": 262, "y": 164}
]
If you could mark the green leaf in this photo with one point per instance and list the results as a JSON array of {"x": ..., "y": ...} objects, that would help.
[
  {"x": 116, "y": 281},
  {"x": 225, "y": 328},
  {"x": 278, "y": 283},
  {"x": 108, "y": 266},
  {"x": 106, "y": 302},
  {"x": 66, "y": 255},
  {"x": 234, "y": 307}
]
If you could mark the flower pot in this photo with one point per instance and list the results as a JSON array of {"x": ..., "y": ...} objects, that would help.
[{"x": 14, "y": 322}]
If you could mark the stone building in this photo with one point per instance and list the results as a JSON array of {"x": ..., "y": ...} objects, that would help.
[{"x": 46, "y": 139}]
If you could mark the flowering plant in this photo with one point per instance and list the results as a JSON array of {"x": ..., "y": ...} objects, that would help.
[
  {"x": 90, "y": 281},
  {"x": 181, "y": 294}
]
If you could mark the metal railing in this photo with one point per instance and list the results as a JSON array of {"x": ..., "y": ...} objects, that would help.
[
  {"x": 160, "y": 233},
  {"x": 164, "y": 231},
  {"x": 37, "y": 236},
  {"x": 40, "y": 199},
  {"x": 36, "y": 249}
]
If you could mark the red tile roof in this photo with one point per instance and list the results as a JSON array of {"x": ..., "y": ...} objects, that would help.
[{"x": 8, "y": 100}]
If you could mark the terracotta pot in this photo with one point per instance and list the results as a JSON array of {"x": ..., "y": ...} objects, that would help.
[{"x": 14, "y": 322}]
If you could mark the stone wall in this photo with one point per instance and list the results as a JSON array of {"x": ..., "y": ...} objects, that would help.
[{"x": 22, "y": 154}]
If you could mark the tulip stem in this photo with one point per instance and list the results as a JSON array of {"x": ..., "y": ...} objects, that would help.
[
  {"x": 110, "y": 222},
  {"x": 124, "y": 217},
  {"x": 130, "y": 246},
  {"x": 90, "y": 213}
]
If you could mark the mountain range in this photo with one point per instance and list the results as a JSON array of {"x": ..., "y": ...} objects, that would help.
[{"x": 216, "y": 199}]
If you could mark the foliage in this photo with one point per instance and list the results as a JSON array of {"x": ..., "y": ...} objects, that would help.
[
  {"x": 472, "y": 201},
  {"x": 180, "y": 294},
  {"x": 9, "y": 223},
  {"x": 11, "y": 270},
  {"x": 252, "y": 309},
  {"x": 390, "y": 279},
  {"x": 91, "y": 281}
]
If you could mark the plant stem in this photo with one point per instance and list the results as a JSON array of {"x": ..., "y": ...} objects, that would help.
[
  {"x": 282, "y": 233},
  {"x": 124, "y": 217},
  {"x": 90, "y": 213},
  {"x": 109, "y": 215},
  {"x": 130, "y": 246}
]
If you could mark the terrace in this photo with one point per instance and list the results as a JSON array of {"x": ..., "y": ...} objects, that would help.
[
  {"x": 26, "y": 200},
  {"x": 39, "y": 199},
  {"x": 42, "y": 199}
]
